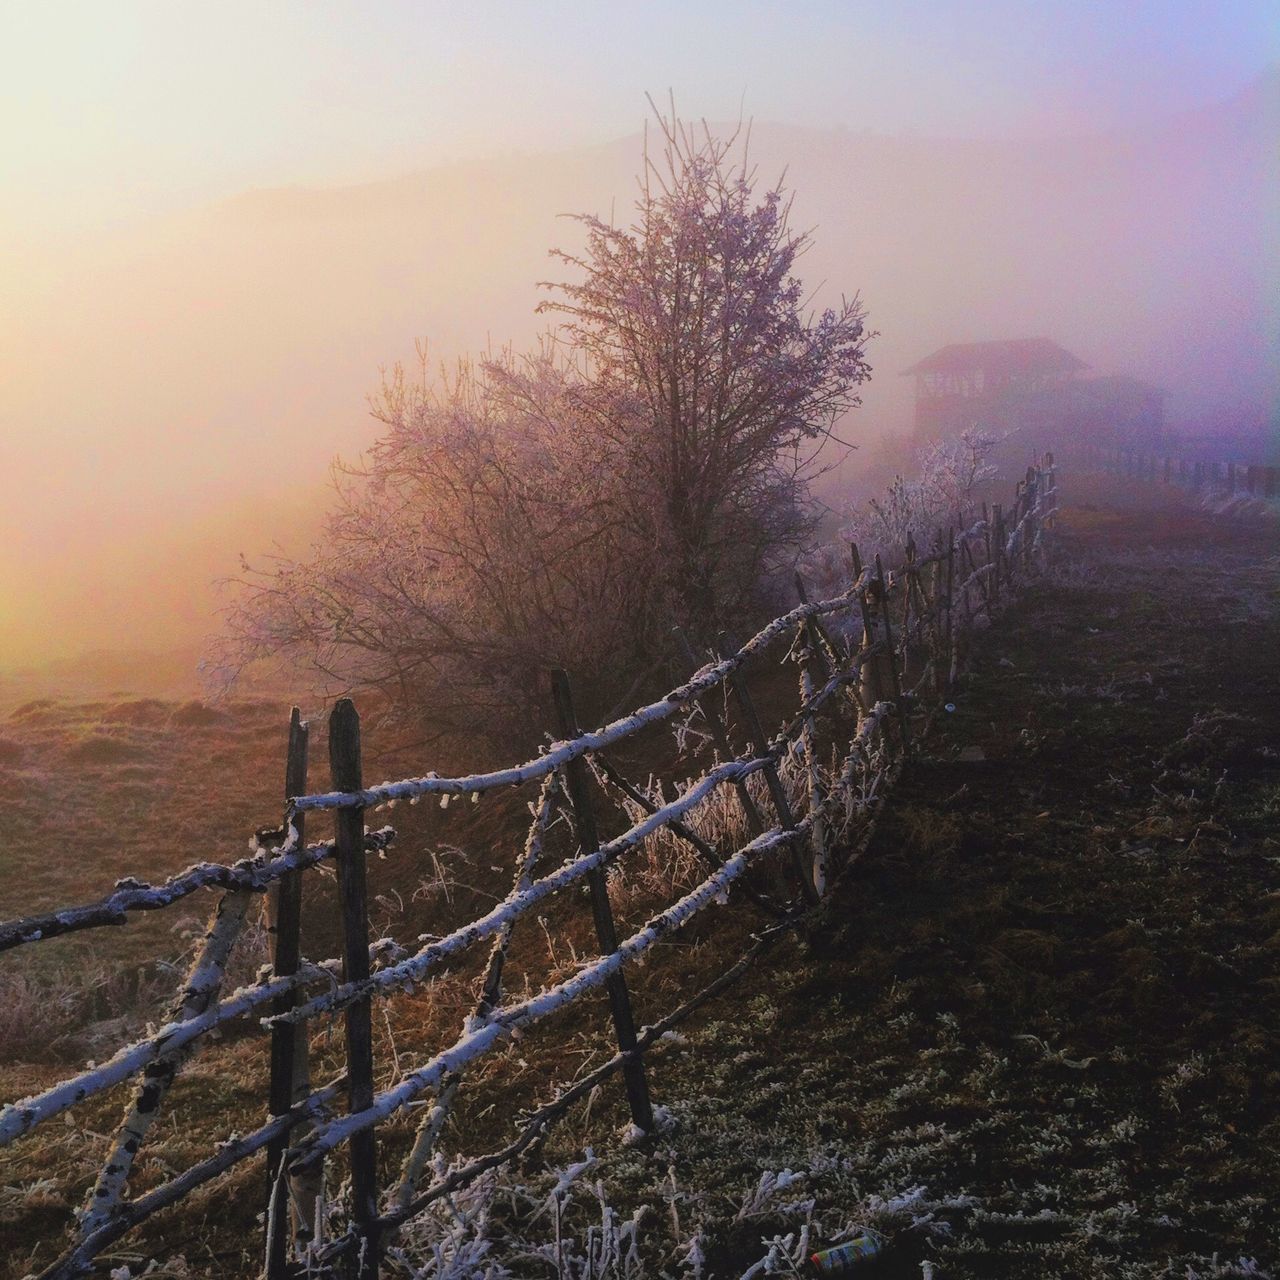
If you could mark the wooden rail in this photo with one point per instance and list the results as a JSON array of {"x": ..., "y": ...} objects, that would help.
[{"x": 870, "y": 661}]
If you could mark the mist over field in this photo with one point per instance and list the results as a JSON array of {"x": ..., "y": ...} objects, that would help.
[
  {"x": 639, "y": 640},
  {"x": 175, "y": 387}
]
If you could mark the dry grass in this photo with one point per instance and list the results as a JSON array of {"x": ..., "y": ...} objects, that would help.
[{"x": 143, "y": 773}]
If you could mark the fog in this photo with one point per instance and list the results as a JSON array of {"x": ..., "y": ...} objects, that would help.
[{"x": 175, "y": 389}]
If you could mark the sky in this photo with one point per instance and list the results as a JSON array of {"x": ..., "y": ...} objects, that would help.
[
  {"x": 195, "y": 300},
  {"x": 113, "y": 110}
]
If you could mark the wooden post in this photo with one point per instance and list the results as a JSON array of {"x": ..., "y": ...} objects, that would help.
[
  {"x": 952, "y": 654},
  {"x": 993, "y": 580},
  {"x": 809, "y": 738},
  {"x": 1029, "y": 529},
  {"x": 346, "y": 772},
  {"x": 1231, "y": 477},
  {"x": 720, "y": 736},
  {"x": 893, "y": 661},
  {"x": 286, "y": 1214},
  {"x": 1273, "y": 474},
  {"x": 872, "y": 686},
  {"x": 584, "y": 817},
  {"x": 832, "y": 649},
  {"x": 935, "y": 609},
  {"x": 786, "y": 819},
  {"x": 914, "y": 594},
  {"x": 1001, "y": 560}
]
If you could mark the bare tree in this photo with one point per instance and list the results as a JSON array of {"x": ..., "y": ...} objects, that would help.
[
  {"x": 648, "y": 464},
  {"x": 694, "y": 312},
  {"x": 489, "y": 534}
]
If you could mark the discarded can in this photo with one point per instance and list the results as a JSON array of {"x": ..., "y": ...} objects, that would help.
[{"x": 844, "y": 1257}]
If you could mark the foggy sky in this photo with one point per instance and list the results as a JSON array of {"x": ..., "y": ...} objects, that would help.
[{"x": 182, "y": 354}]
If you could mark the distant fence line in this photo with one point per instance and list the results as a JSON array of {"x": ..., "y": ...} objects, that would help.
[
  {"x": 1195, "y": 474},
  {"x": 870, "y": 660}
]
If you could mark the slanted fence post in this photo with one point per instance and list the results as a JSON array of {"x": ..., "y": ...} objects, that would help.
[
  {"x": 584, "y": 819},
  {"x": 777, "y": 792},
  {"x": 345, "y": 766},
  {"x": 288, "y": 1211},
  {"x": 720, "y": 736}
]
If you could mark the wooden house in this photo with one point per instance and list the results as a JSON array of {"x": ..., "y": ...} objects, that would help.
[{"x": 1035, "y": 388}]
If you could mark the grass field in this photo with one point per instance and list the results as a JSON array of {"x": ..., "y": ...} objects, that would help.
[{"x": 1045, "y": 1010}]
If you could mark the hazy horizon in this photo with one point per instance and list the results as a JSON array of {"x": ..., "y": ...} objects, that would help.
[{"x": 188, "y": 343}]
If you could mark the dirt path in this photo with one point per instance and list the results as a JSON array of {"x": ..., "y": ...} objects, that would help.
[{"x": 1054, "y": 981}]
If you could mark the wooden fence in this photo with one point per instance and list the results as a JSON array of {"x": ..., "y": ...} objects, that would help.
[
  {"x": 1196, "y": 474},
  {"x": 871, "y": 662}
]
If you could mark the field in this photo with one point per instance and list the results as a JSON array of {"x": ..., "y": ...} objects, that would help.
[{"x": 1038, "y": 1036}]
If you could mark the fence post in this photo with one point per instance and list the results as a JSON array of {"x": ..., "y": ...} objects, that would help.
[
  {"x": 1001, "y": 561},
  {"x": 286, "y": 1204},
  {"x": 786, "y": 819},
  {"x": 993, "y": 580},
  {"x": 953, "y": 651},
  {"x": 345, "y": 767},
  {"x": 720, "y": 736},
  {"x": 808, "y": 736},
  {"x": 914, "y": 594},
  {"x": 1272, "y": 473},
  {"x": 584, "y": 819},
  {"x": 937, "y": 613},
  {"x": 833, "y": 649},
  {"x": 1029, "y": 530},
  {"x": 895, "y": 682},
  {"x": 873, "y": 684}
]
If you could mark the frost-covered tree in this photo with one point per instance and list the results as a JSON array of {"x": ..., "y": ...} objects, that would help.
[
  {"x": 646, "y": 466},
  {"x": 950, "y": 476},
  {"x": 490, "y": 533},
  {"x": 695, "y": 312}
]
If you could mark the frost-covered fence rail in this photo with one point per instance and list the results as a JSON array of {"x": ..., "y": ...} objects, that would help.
[
  {"x": 770, "y": 820},
  {"x": 1197, "y": 474}
]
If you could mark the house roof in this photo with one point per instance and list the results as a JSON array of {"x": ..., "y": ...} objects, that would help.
[{"x": 1010, "y": 356}]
